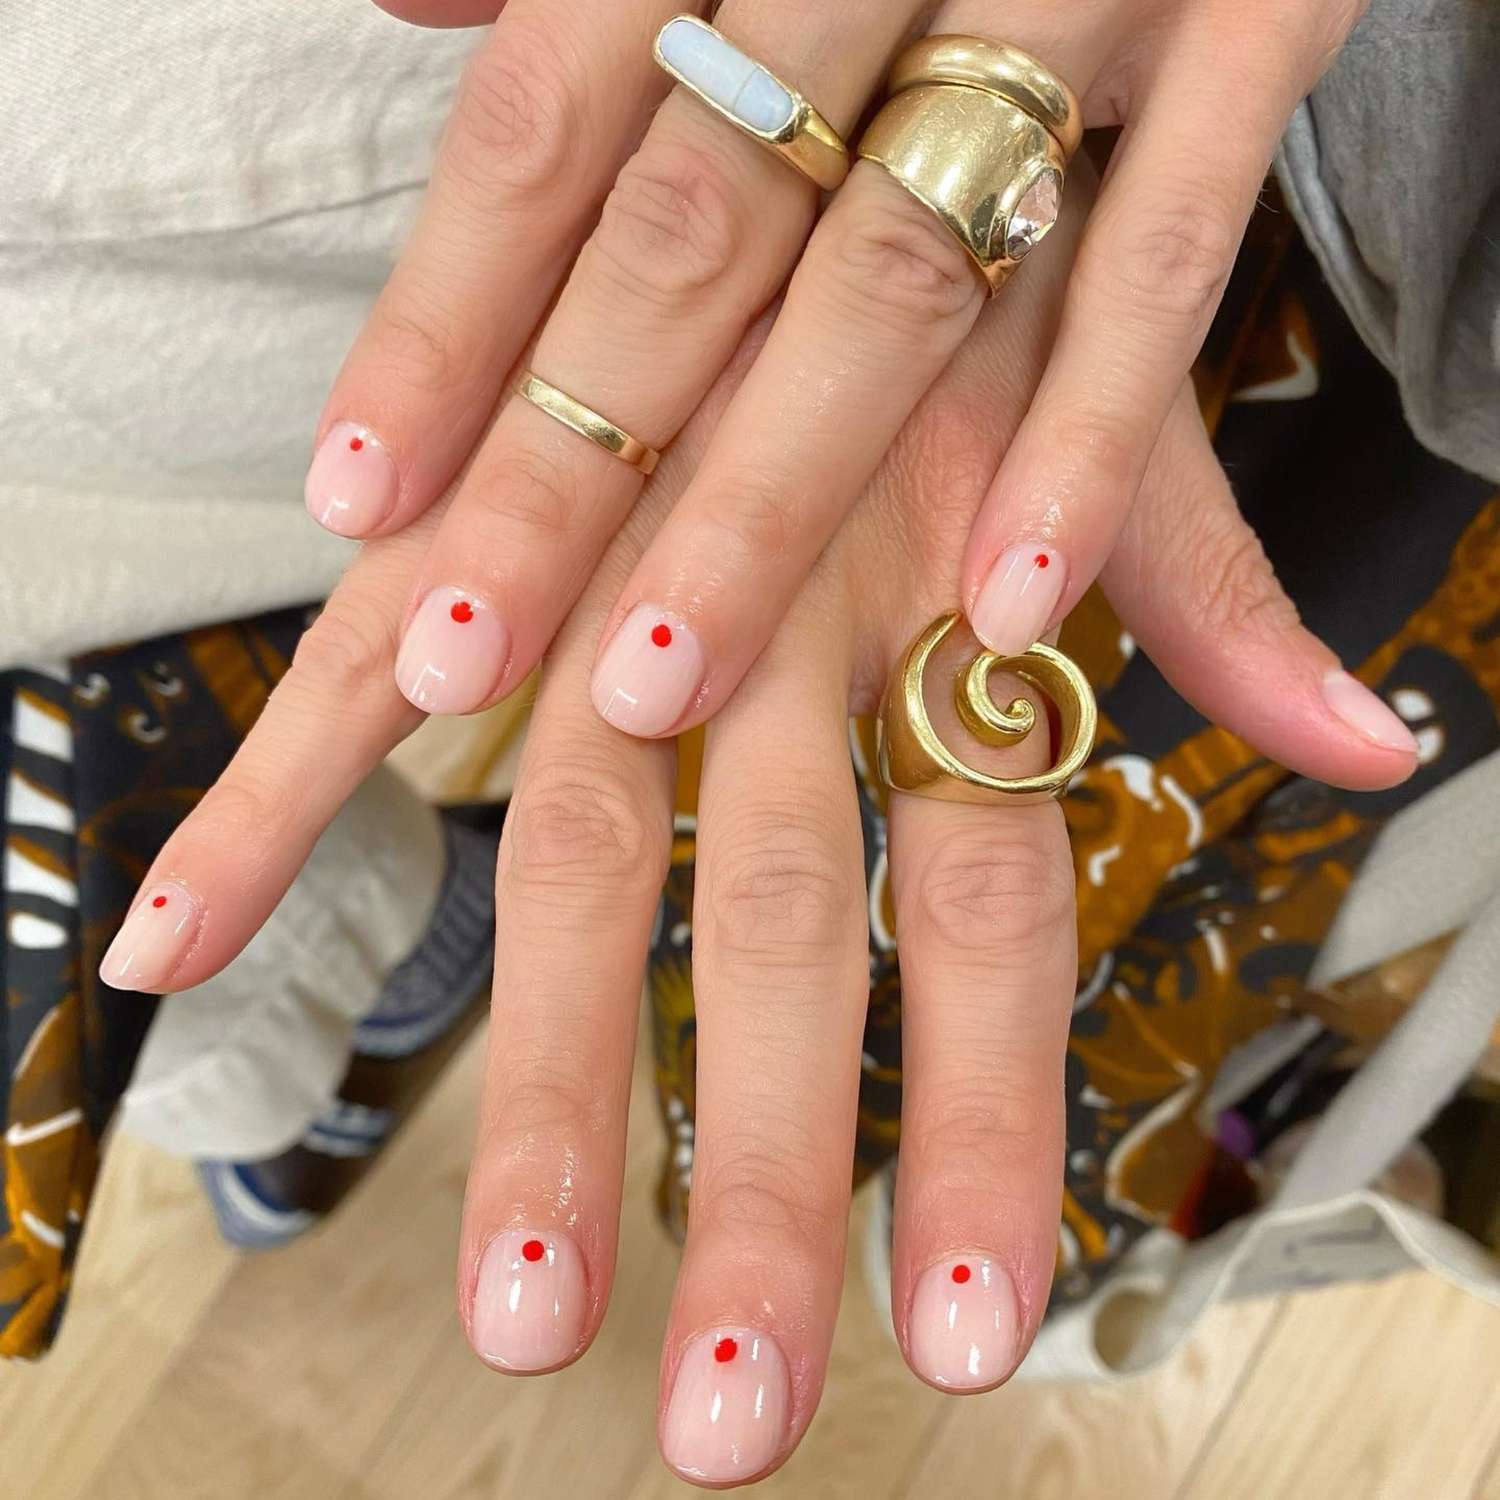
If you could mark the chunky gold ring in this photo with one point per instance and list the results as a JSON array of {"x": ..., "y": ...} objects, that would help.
[
  {"x": 587, "y": 422},
  {"x": 914, "y": 759},
  {"x": 753, "y": 98},
  {"x": 981, "y": 134}
]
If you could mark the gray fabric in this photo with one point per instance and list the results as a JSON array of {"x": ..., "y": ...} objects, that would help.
[{"x": 1392, "y": 168}]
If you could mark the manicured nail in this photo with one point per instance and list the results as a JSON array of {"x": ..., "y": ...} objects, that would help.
[
  {"x": 453, "y": 653},
  {"x": 727, "y": 1419},
  {"x": 963, "y": 1329},
  {"x": 530, "y": 1302},
  {"x": 351, "y": 484},
  {"x": 1366, "y": 713},
  {"x": 154, "y": 940},
  {"x": 649, "y": 673},
  {"x": 1018, "y": 597}
]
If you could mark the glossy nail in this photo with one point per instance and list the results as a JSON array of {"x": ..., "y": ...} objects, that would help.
[
  {"x": 1366, "y": 713},
  {"x": 727, "y": 1418},
  {"x": 649, "y": 673},
  {"x": 530, "y": 1302},
  {"x": 453, "y": 653},
  {"x": 964, "y": 1325},
  {"x": 155, "y": 938},
  {"x": 1018, "y": 598},
  {"x": 351, "y": 485}
]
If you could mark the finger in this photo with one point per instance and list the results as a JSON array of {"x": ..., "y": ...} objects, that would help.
[
  {"x": 1191, "y": 581},
  {"x": 546, "y": 111},
  {"x": 881, "y": 299},
  {"x": 699, "y": 231},
  {"x": 780, "y": 975},
  {"x": 582, "y": 860},
  {"x": 332, "y": 718},
  {"x": 1159, "y": 246}
]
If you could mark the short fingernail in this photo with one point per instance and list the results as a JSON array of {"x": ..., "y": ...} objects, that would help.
[
  {"x": 530, "y": 1302},
  {"x": 452, "y": 654},
  {"x": 964, "y": 1324},
  {"x": 154, "y": 940},
  {"x": 649, "y": 673},
  {"x": 351, "y": 484},
  {"x": 1018, "y": 597},
  {"x": 728, "y": 1415},
  {"x": 1366, "y": 713}
]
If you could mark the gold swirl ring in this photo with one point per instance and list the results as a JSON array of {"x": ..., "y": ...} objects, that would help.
[{"x": 914, "y": 759}]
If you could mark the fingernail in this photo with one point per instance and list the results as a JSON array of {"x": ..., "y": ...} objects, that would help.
[
  {"x": 1366, "y": 713},
  {"x": 1018, "y": 597},
  {"x": 530, "y": 1302},
  {"x": 727, "y": 1418},
  {"x": 649, "y": 673},
  {"x": 154, "y": 940},
  {"x": 963, "y": 1329},
  {"x": 452, "y": 654},
  {"x": 351, "y": 483}
]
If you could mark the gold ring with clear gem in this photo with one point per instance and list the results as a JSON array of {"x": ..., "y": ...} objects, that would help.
[{"x": 980, "y": 133}]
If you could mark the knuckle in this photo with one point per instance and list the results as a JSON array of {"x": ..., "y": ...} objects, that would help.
[
  {"x": 754, "y": 1192},
  {"x": 416, "y": 344},
  {"x": 582, "y": 829},
  {"x": 539, "y": 495},
  {"x": 1240, "y": 593},
  {"x": 994, "y": 1133},
  {"x": 549, "y": 1094},
  {"x": 758, "y": 516},
  {"x": 776, "y": 885},
  {"x": 1174, "y": 257},
  {"x": 671, "y": 225},
  {"x": 515, "y": 118},
  {"x": 892, "y": 254},
  {"x": 989, "y": 898},
  {"x": 343, "y": 656}
]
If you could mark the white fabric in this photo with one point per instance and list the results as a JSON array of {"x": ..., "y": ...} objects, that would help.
[
  {"x": 239, "y": 1067},
  {"x": 200, "y": 202}
]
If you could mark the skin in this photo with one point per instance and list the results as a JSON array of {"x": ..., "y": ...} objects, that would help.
[{"x": 983, "y": 895}]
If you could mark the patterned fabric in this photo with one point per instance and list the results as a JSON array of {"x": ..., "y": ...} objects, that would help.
[{"x": 1206, "y": 875}]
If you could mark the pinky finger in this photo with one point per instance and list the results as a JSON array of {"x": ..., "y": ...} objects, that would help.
[
  {"x": 330, "y": 721},
  {"x": 1191, "y": 582}
]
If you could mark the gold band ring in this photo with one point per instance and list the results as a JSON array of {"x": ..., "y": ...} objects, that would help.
[
  {"x": 752, "y": 98},
  {"x": 981, "y": 134},
  {"x": 587, "y": 422},
  {"x": 914, "y": 759}
]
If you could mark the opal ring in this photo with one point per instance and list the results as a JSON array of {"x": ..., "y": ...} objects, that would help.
[
  {"x": 752, "y": 98},
  {"x": 981, "y": 134},
  {"x": 914, "y": 759},
  {"x": 588, "y": 423}
]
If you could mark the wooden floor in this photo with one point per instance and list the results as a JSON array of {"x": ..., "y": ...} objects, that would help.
[{"x": 334, "y": 1370}]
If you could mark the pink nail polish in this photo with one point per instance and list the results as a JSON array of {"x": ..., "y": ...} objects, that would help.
[
  {"x": 530, "y": 1302},
  {"x": 1366, "y": 713},
  {"x": 453, "y": 653},
  {"x": 1018, "y": 597},
  {"x": 727, "y": 1418},
  {"x": 154, "y": 939},
  {"x": 351, "y": 483},
  {"x": 964, "y": 1323},
  {"x": 649, "y": 673}
]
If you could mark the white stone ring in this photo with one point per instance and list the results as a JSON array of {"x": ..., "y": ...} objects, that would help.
[{"x": 752, "y": 98}]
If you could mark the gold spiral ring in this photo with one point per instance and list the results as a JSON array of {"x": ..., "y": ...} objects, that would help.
[{"x": 913, "y": 758}]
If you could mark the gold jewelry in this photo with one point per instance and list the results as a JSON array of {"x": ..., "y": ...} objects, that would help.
[
  {"x": 587, "y": 422},
  {"x": 752, "y": 98},
  {"x": 981, "y": 134},
  {"x": 913, "y": 759}
]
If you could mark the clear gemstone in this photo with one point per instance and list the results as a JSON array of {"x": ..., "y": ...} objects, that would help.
[{"x": 1033, "y": 215}]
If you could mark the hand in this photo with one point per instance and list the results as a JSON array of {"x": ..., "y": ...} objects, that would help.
[
  {"x": 983, "y": 901},
  {"x": 699, "y": 229}
]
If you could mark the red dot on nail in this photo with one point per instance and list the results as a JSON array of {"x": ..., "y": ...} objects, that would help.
[
  {"x": 355, "y": 444},
  {"x": 662, "y": 636},
  {"x": 463, "y": 611},
  {"x": 1042, "y": 559},
  {"x": 961, "y": 1274},
  {"x": 533, "y": 1249},
  {"x": 725, "y": 1350},
  {"x": 159, "y": 902}
]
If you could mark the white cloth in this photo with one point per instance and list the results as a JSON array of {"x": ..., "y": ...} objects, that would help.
[{"x": 199, "y": 203}]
